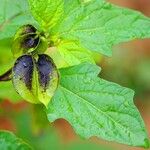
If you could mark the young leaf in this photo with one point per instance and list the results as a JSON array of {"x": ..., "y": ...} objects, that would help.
[
  {"x": 46, "y": 12},
  {"x": 98, "y": 25},
  {"x": 13, "y": 14},
  {"x": 95, "y": 107},
  {"x": 74, "y": 54},
  {"x": 8, "y": 141}
]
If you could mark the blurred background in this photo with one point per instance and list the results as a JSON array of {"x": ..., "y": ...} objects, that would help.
[{"x": 129, "y": 67}]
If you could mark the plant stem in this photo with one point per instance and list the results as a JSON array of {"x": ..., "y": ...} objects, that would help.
[{"x": 6, "y": 76}]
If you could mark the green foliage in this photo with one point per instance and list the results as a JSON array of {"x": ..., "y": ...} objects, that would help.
[
  {"x": 13, "y": 14},
  {"x": 6, "y": 88},
  {"x": 76, "y": 29},
  {"x": 96, "y": 107},
  {"x": 8, "y": 141},
  {"x": 74, "y": 54},
  {"x": 7, "y": 91},
  {"x": 47, "y": 13},
  {"x": 94, "y": 25},
  {"x": 99, "y": 25},
  {"x": 87, "y": 146}
]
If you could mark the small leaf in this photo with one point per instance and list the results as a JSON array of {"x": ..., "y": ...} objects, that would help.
[
  {"x": 98, "y": 25},
  {"x": 8, "y": 141},
  {"x": 95, "y": 107},
  {"x": 35, "y": 79},
  {"x": 46, "y": 12}
]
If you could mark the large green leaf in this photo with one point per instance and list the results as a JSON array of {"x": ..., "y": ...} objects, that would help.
[
  {"x": 98, "y": 25},
  {"x": 46, "y": 12},
  {"x": 13, "y": 14},
  {"x": 8, "y": 141},
  {"x": 95, "y": 107}
]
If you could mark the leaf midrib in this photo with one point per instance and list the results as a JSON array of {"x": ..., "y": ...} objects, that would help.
[{"x": 107, "y": 116}]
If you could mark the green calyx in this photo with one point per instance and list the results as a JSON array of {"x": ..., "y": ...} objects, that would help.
[
  {"x": 34, "y": 74},
  {"x": 35, "y": 78},
  {"x": 27, "y": 40}
]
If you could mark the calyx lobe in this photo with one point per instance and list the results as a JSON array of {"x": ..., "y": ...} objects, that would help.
[{"x": 35, "y": 78}]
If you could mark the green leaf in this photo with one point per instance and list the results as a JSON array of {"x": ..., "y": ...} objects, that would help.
[
  {"x": 6, "y": 88},
  {"x": 95, "y": 107},
  {"x": 73, "y": 54},
  {"x": 98, "y": 25},
  {"x": 46, "y": 12},
  {"x": 6, "y": 60},
  {"x": 8, "y": 141},
  {"x": 7, "y": 91},
  {"x": 13, "y": 14}
]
